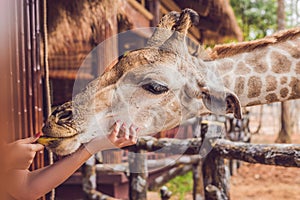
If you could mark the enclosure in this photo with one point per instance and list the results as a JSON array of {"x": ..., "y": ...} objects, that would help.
[{"x": 55, "y": 48}]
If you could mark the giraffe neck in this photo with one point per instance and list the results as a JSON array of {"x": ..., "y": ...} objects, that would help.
[{"x": 268, "y": 74}]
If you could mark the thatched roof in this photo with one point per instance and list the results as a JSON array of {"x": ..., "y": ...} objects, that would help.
[{"x": 75, "y": 27}]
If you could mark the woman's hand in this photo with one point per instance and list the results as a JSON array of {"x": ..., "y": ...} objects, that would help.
[
  {"x": 120, "y": 136},
  {"x": 20, "y": 154}
]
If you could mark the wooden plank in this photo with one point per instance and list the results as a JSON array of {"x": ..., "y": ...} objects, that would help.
[
  {"x": 155, "y": 9},
  {"x": 137, "y": 6},
  {"x": 135, "y": 18}
]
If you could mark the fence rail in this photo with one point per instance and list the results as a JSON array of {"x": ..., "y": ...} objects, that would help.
[{"x": 210, "y": 172}]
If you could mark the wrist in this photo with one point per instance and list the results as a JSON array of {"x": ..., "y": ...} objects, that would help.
[{"x": 99, "y": 143}]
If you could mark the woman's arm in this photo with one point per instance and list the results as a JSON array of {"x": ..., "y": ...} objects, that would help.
[{"x": 32, "y": 185}]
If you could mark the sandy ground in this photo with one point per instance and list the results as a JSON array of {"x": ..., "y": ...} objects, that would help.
[{"x": 254, "y": 181}]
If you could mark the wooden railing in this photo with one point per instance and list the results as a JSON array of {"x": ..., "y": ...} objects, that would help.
[{"x": 210, "y": 175}]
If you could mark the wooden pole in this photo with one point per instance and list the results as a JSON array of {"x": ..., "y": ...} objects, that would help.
[
  {"x": 167, "y": 145},
  {"x": 155, "y": 10},
  {"x": 215, "y": 176},
  {"x": 138, "y": 175},
  {"x": 89, "y": 181},
  {"x": 198, "y": 191},
  {"x": 214, "y": 173}
]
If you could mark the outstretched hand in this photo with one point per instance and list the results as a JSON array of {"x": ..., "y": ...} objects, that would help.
[
  {"x": 120, "y": 136},
  {"x": 20, "y": 154}
]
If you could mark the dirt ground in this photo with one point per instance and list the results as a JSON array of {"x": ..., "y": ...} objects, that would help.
[{"x": 254, "y": 181}]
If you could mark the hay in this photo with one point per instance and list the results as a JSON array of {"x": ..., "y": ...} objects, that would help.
[
  {"x": 75, "y": 24},
  {"x": 76, "y": 27}
]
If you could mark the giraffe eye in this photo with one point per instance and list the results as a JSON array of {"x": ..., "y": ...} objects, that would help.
[{"x": 155, "y": 88}]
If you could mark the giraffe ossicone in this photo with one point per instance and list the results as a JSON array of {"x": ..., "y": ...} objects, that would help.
[{"x": 161, "y": 85}]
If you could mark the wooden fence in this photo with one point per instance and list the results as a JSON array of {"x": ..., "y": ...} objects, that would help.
[{"x": 210, "y": 173}]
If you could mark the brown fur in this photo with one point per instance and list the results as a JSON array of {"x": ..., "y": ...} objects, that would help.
[
  {"x": 239, "y": 85},
  {"x": 258, "y": 62},
  {"x": 226, "y": 66},
  {"x": 272, "y": 97},
  {"x": 295, "y": 85},
  {"x": 283, "y": 80},
  {"x": 242, "y": 69},
  {"x": 280, "y": 63},
  {"x": 227, "y": 81},
  {"x": 254, "y": 85},
  {"x": 270, "y": 83},
  {"x": 292, "y": 50},
  {"x": 284, "y": 92},
  {"x": 254, "y": 103},
  {"x": 227, "y": 50},
  {"x": 297, "y": 68}
]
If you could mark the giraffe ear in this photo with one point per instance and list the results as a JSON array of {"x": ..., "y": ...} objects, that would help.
[{"x": 222, "y": 102}]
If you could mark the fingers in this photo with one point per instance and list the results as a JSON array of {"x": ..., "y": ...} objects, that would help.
[
  {"x": 125, "y": 131},
  {"x": 133, "y": 136},
  {"x": 36, "y": 147},
  {"x": 128, "y": 137},
  {"x": 30, "y": 139},
  {"x": 115, "y": 130}
]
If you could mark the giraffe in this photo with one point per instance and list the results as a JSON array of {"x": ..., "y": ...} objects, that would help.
[{"x": 160, "y": 86}]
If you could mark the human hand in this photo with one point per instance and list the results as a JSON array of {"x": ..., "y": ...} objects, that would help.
[
  {"x": 20, "y": 154},
  {"x": 120, "y": 136}
]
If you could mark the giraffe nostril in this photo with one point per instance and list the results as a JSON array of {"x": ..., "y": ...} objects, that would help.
[{"x": 65, "y": 115}]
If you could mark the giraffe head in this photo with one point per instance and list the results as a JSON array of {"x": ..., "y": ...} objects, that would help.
[{"x": 156, "y": 88}]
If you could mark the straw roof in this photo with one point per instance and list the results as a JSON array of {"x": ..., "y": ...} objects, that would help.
[{"x": 76, "y": 27}]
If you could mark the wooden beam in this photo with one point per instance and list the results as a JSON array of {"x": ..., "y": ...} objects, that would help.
[
  {"x": 134, "y": 16},
  {"x": 287, "y": 155},
  {"x": 141, "y": 9},
  {"x": 168, "y": 145},
  {"x": 152, "y": 164},
  {"x": 155, "y": 10}
]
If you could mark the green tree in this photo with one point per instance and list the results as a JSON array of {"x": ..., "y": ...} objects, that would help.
[{"x": 257, "y": 18}]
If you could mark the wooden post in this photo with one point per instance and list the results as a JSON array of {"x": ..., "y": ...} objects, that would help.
[
  {"x": 215, "y": 178},
  {"x": 89, "y": 181},
  {"x": 215, "y": 182},
  {"x": 198, "y": 191},
  {"x": 138, "y": 175},
  {"x": 154, "y": 9},
  {"x": 89, "y": 178}
]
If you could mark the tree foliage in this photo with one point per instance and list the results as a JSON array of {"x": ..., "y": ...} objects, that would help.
[{"x": 257, "y": 18}]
